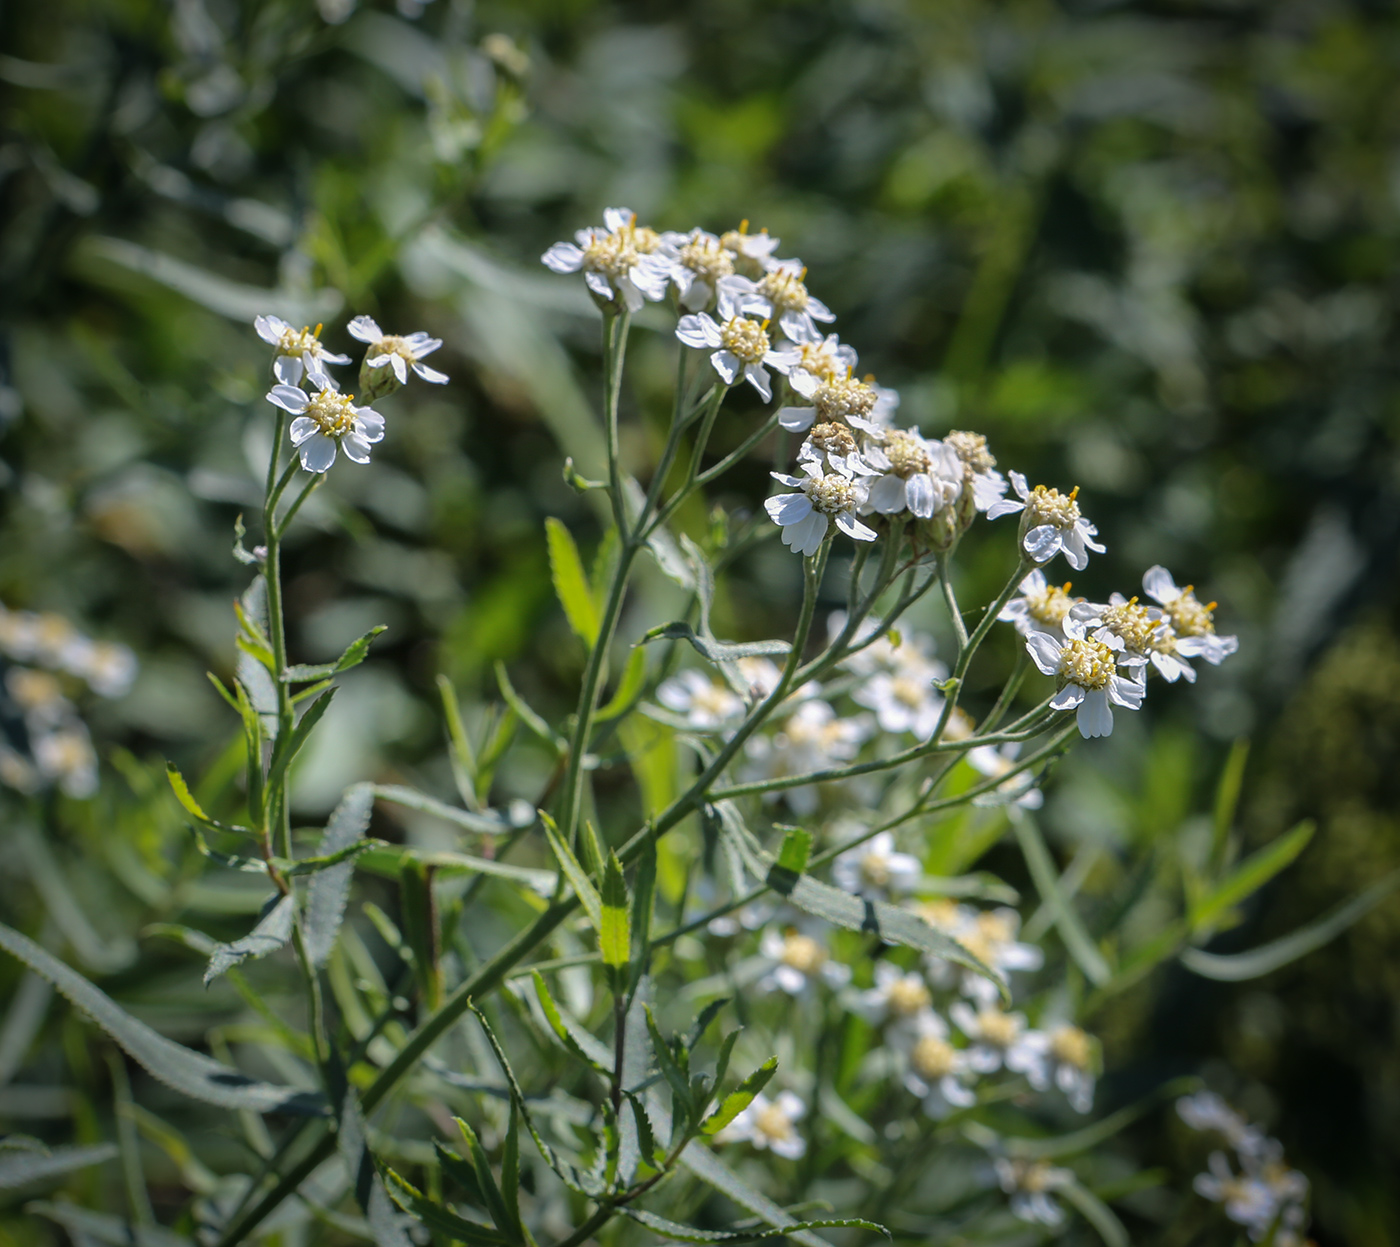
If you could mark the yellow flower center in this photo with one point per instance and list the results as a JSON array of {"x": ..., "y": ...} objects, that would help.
[
  {"x": 908, "y": 691},
  {"x": 1037, "y": 1176},
  {"x": 942, "y": 915},
  {"x": 960, "y": 725},
  {"x": 744, "y": 338},
  {"x": 645, "y": 239},
  {"x": 771, "y": 1122},
  {"x": 818, "y": 359},
  {"x": 831, "y": 494},
  {"x": 997, "y": 1028},
  {"x": 614, "y": 255},
  {"x": 1050, "y": 506},
  {"x": 802, "y": 953},
  {"x": 299, "y": 342},
  {"x": 1089, "y": 664},
  {"x": 33, "y": 689},
  {"x": 906, "y": 455},
  {"x": 716, "y": 699},
  {"x": 933, "y": 1058},
  {"x": 1135, "y": 624},
  {"x": 1051, "y": 606},
  {"x": 707, "y": 259},
  {"x": 1070, "y": 1046},
  {"x": 393, "y": 344},
  {"x": 737, "y": 242},
  {"x": 971, "y": 448},
  {"x": 907, "y": 996},
  {"x": 875, "y": 870},
  {"x": 833, "y": 438},
  {"x": 1190, "y": 617},
  {"x": 784, "y": 290},
  {"x": 333, "y": 413},
  {"x": 842, "y": 397}
]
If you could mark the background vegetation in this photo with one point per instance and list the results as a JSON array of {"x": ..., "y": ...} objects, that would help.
[{"x": 1146, "y": 247}]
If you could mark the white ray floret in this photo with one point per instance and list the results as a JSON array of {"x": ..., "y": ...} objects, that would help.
[
  {"x": 915, "y": 475},
  {"x": 699, "y": 262},
  {"x": 299, "y": 351},
  {"x": 1086, "y": 672},
  {"x": 328, "y": 421},
  {"x": 839, "y": 398},
  {"x": 822, "y": 497},
  {"x": 1145, "y": 631},
  {"x": 1067, "y": 1056},
  {"x": 797, "y": 962},
  {"x": 707, "y": 704},
  {"x": 618, "y": 260},
  {"x": 935, "y": 1071},
  {"x": 994, "y": 762},
  {"x": 1193, "y": 620},
  {"x": 1042, "y": 607},
  {"x": 740, "y": 347},
  {"x": 399, "y": 352},
  {"x": 1030, "y": 1183},
  {"x": 1052, "y": 523},
  {"x": 988, "y": 485}
]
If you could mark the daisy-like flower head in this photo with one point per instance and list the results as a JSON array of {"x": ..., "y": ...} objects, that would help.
[
  {"x": 1051, "y": 523},
  {"x": 798, "y": 961},
  {"x": 990, "y": 936},
  {"x": 824, "y": 359},
  {"x": 834, "y": 445},
  {"x": 780, "y": 295},
  {"x": 39, "y": 696},
  {"x": 812, "y": 738},
  {"x": 753, "y": 253},
  {"x": 1042, "y": 607},
  {"x": 109, "y": 668},
  {"x": 903, "y": 696},
  {"x": 993, "y": 761},
  {"x": 1145, "y": 631},
  {"x": 917, "y": 475},
  {"x": 298, "y": 351},
  {"x": 839, "y": 397},
  {"x": 1192, "y": 620},
  {"x": 1086, "y": 673},
  {"x": 769, "y": 1125},
  {"x": 395, "y": 352},
  {"x": 707, "y": 704},
  {"x": 988, "y": 485},
  {"x": 744, "y": 349},
  {"x": 618, "y": 260},
  {"x": 935, "y": 1071},
  {"x": 1247, "y": 1199},
  {"x": 876, "y": 869},
  {"x": 997, "y": 1039},
  {"x": 328, "y": 421},
  {"x": 823, "y": 497},
  {"x": 1030, "y": 1183},
  {"x": 66, "y": 757},
  {"x": 1069, "y": 1057},
  {"x": 898, "y": 998},
  {"x": 701, "y": 261}
]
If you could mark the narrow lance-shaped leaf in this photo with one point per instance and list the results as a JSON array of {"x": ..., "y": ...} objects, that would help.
[
  {"x": 459, "y": 746},
  {"x": 672, "y": 1072},
  {"x": 365, "y": 1182},
  {"x": 1251, "y": 874},
  {"x": 443, "y": 1220},
  {"x": 185, "y": 797},
  {"x": 190, "y": 1073},
  {"x": 615, "y": 929},
  {"x": 23, "y": 1167},
  {"x": 485, "y": 1179},
  {"x": 272, "y": 932},
  {"x": 740, "y": 1098},
  {"x": 570, "y": 583},
  {"x": 355, "y": 653},
  {"x": 715, "y": 651},
  {"x": 689, "y": 1234},
  {"x": 330, "y": 889},
  {"x": 576, "y": 1040},
  {"x": 284, "y": 752},
  {"x": 418, "y": 907},
  {"x": 1072, "y": 931},
  {"x": 629, "y": 688},
  {"x": 583, "y": 887}
]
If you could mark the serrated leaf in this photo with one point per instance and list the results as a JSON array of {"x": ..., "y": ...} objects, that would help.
[
  {"x": 570, "y": 583},
  {"x": 330, "y": 889},
  {"x": 1250, "y": 875},
  {"x": 523, "y": 711},
  {"x": 740, "y": 1098},
  {"x": 284, "y": 752},
  {"x": 234, "y": 861},
  {"x": 689, "y": 1234},
  {"x": 355, "y": 653},
  {"x": 188, "y": 1072},
  {"x": 583, "y": 888},
  {"x": 365, "y": 1181},
  {"x": 510, "y": 1177},
  {"x": 671, "y": 1071},
  {"x": 22, "y": 1168},
  {"x": 180, "y": 787},
  {"x": 797, "y": 848},
  {"x": 615, "y": 927},
  {"x": 486, "y": 1181},
  {"x": 571, "y": 1037},
  {"x": 1238, "y": 967},
  {"x": 271, "y": 933},
  {"x": 436, "y": 1217},
  {"x": 715, "y": 651}
]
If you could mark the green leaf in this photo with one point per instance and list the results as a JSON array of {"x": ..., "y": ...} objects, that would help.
[
  {"x": 1098, "y": 1214},
  {"x": 284, "y": 752},
  {"x": 22, "y": 1168},
  {"x": 385, "y": 860},
  {"x": 629, "y": 688},
  {"x": 575, "y": 1040},
  {"x": 355, "y": 653},
  {"x": 365, "y": 1181},
  {"x": 1072, "y": 1144},
  {"x": 797, "y": 848},
  {"x": 671, "y": 1071},
  {"x": 525, "y": 714},
  {"x": 482, "y": 822},
  {"x": 84, "y": 1226},
  {"x": 271, "y": 933},
  {"x": 234, "y": 861},
  {"x": 570, "y": 583},
  {"x": 643, "y": 901},
  {"x": 1227, "y": 799},
  {"x": 615, "y": 927},
  {"x": 438, "y": 1218},
  {"x": 485, "y": 1179},
  {"x": 510, "y": 1178},
  {"x": 1250, "y": 875},
  {"x": 715, "y": 651},
  {"x": 188, "y": 1072},
  {"x": 1077, "y": 940},
  {"x": 418, "y": 911},
  {"x": 587, "y": 895},
  {"x": 689, "y": 1234},
  {"x": 330, "y": 888},
  {"x": 185, "y": 797},
  {"x": 740, "y": 1098},
  {"x": 459, "y": 746},
  {"x": 1237, "y": 967}
]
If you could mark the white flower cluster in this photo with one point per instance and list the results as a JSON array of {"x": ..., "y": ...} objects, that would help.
[
  {"x": 1263, "y": 1194},
  {"x": 54, "y": 746},
  {"x": 327, "y": 421}
]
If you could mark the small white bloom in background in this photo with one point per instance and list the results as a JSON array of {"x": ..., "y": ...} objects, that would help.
[
  {"x": 1192, "y": 620},
  {"x": 990, "y": 936},
  {"x": 618, "y": 260},
  {"x": 876, "y": 870},
  {"x": 1067, "y": 1057},
  {"x": 298, "y": 351},
  {"x": 1052, "y": 523},
  {"x": 65, "y": 756},
  {"x": 700, "y": 262},
  {"x": 991, "y": 761},
  {"x": 988, "y": 485},
  {"x": 935, "y": 1071},
  {"x": 399, "y": 353},
  {"x": 997, "y": 1039},
  {"x": 707, "y": 704},
  {"x": 739, "y": 347},
  {"x": 109, "y": 668},
  {"x": 798, "y": 962},
  {"x": 903, "y": 695},
  {"x": 824, "y": 496},
  {"x": 769, "y": 1124},
  {"x": 833, "y": 446},
  {"x": 1247, "y": 1199},
  {"x": 897, "y": 999},
  {"x": 917, "y": 475},
  {"x": 1030, "y": 1184},
  {"x": 812, "y": 738},
  {"x": 839, "y": 398},
  {"x": 753, "y": 253},
  {"x": 39, "y": 697},
  {"x": 51, "y": 641},
  {"x": 1042, "y": 607},
  {"x": 1144, "y": 631},
  {"x": 327, "y": 421},
  {"x": 1086, "y": 672},
  {"x": 1207, "y": 1111},
  {"x": 779, "y": 295}
]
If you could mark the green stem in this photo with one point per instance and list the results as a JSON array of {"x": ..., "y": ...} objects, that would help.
[{"x": 316, "y": 481}]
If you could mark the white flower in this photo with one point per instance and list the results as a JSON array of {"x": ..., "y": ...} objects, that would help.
[
  {"x": 326, "y": 421},
  {"x": 700, "y": 262},
  {"x": 778, "y": 295},
  {"x": 897, "y": 998},
  {"x": 839, "y": 397},
  {"x": 903, "y": 696},
  {"x": 1030, "y": 1183},
  {"x": 916, "y": 474},
  {"x": 812, "y": 738},
  {"x": 298, "y": 351},
  {"x": 707, "y": 704},
  {"x": 66, "y": 755},
  {"x": 832, "y": 445},
  {"x": 618, "y": 260},
  {"x": 1193, "y": 621},
  {"x": 824, "y": 496},
  {"x": 988, "y": 485},
  {"x": 797, "y": 962},
  {"x": 1067, "y": 1056},
  {"x": 824, "y": 359},
  {"x": 1207, "y": 1111},
  {"x": 1247, "y": 1200},
  {"x": 769, "y": 1124},
  {"x": 1051, "y": 525},
  {"x": 753, "y": 253},
  {"x": 876, "y": 870},
  {"x": 990, "y": 936},
  {"x": 935, "y": 1071},
  {"x": 1086, "y": 672},
  {"x": 1042, "y": 607},
  {"x": 997, "y": 1039},
  {"x": 400, "y": 353},
  {"x": 993, "y": 762},
  {"x": 888, "y": 652},
  {"x": 39, "y": 696},
  {"x": 108, "y": 668},
  {"x": 743, "y": 349},
  {"x": 1145, "y": 632}
]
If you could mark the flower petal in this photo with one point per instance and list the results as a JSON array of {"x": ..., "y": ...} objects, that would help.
[
  {"x": 563, "y": 257},
  {"x": 288, "y": 397},
  {"x": 318, "y": 453},
  {"x": 364, "y": 329}
]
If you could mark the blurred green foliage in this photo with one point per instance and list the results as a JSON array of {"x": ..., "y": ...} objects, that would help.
[{"x": 1147, "y": 248}]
